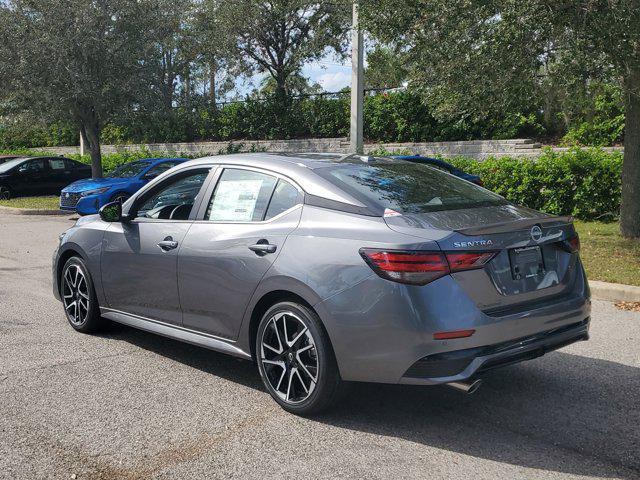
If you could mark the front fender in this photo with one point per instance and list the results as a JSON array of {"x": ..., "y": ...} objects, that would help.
[{"x": 85, "y": 242}]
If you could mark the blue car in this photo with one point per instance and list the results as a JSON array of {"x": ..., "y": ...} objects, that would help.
[
  {"x": 87, "y": 196},
  {"x": 442, "y": 165}
]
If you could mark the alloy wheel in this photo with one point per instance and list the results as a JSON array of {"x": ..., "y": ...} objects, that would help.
[
  {"x": 289, "y": 357},
  {"x": 5, "y": 194},
  {"x": 75, "y": 295}
]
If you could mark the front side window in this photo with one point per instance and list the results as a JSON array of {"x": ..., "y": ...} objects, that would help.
[
  {"x": 33, "y": 166},
  {"x": 175, "y": 198},
  {"x": 408, "y": 187},
  {"x": 241, "y": 196}
]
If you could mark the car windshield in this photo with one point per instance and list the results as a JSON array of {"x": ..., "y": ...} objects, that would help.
[
  {"x": 129, "y": 170},
  {"x": 408, "y": 187},
  {"x": 8, "y": 165}
]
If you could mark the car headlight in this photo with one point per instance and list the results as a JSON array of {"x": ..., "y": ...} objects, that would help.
[{"x": 97, "y": 191}]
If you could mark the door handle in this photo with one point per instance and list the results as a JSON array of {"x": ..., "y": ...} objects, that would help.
[
  {"x": 263, "y": 247},
  {"x": 168, "y": 244}
]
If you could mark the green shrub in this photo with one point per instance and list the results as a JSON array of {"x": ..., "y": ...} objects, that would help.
[{"x": 585, "y": 183}]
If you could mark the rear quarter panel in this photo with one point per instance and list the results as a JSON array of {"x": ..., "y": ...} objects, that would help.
[{"x": 321, "y": 259}]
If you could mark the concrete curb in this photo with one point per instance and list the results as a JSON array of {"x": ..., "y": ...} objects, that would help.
[
  {"x": 614, "y": 292},
  {"x": 32, "y": 211}
]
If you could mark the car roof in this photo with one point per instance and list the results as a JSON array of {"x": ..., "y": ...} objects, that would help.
[
  {"x": 155, "y": 160},
  {"x": 299, "y": 167}
]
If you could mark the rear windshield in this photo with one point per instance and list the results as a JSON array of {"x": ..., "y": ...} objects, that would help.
[
  {"x": 129, "y": 169},
  {"x": 408, "y": 187}
]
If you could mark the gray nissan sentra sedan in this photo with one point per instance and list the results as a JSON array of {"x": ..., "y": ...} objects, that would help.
[{"x": 325, "y": 268}]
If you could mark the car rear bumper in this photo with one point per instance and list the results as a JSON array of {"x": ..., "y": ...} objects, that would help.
[
  {"x": 383, "y": 332},
  {"x": 460, "y": 365}
]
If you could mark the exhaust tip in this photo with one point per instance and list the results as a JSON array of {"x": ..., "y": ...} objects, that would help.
[{"x": 466, "y": 387}]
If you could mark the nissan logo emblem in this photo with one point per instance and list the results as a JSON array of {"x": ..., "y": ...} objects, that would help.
[{"x": 536, "y": 233}]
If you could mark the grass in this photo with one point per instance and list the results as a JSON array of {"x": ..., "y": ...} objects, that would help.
[
  {"x": 37, "y": 203},
  {"x": 606, "y": 255}
]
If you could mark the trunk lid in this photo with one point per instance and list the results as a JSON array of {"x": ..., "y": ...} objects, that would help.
[{"x": 531, "y": 261}]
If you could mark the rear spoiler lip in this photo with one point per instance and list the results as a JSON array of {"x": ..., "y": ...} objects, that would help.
[{"x": 505, "y": 227}]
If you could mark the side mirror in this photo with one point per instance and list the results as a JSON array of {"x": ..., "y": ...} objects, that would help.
[{"x": 111, "y": 212}]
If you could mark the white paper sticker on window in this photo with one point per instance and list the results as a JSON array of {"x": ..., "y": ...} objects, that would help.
[
  {"x": 235, "y": 200},
  {"x": 56, "y": 164}
]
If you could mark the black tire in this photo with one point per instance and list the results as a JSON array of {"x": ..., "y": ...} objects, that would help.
[
  {"x": 319, "y": 395},
  {"x": 85, "y": 315},
  {"x": 121, "y": 197},
  {"x": 5, "y": 193}
]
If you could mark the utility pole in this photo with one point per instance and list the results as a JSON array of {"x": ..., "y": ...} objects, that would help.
[
  {"x": 357, "y": 84},
  {"x": 81, "y": 145}
]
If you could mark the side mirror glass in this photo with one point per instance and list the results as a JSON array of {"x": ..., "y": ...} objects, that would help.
[{"x": 111, "y": 212}]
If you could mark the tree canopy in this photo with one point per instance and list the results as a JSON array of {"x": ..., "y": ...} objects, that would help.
[
  {"x": 484, "y": 59},
  {"x": 75, "y": 59}
]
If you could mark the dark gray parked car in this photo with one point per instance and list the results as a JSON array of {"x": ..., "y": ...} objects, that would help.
[{"x": 324, "y": 269}]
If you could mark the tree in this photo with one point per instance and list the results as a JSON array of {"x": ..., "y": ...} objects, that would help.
[
  {"x": 279, "y": 37},
  {"x": 386, "y": 68},
  {"x": 480, "y": 59},
  {"x": 75, "y": 60},
  {"x": 214, "y": 49}
]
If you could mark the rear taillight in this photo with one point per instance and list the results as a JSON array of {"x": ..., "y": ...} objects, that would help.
[
  {"x": 413, "y": 267},
  {"x": 571, "y": 244},
  {"x": 417, "y": 267},
  {"x": 574, "y": 243},
  {"x": 468, "y": 260}
]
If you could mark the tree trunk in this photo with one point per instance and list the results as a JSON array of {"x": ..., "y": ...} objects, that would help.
[
  {"x": 90, "y": 131},
  {"x": 630, "y": 210}
]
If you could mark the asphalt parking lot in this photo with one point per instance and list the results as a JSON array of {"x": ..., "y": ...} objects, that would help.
[{"x": 127, "y": 404}]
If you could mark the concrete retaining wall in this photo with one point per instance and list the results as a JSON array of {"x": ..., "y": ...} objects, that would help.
[{"x": 479, "y": 149}]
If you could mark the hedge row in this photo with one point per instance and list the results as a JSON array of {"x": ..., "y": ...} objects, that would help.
[{"x": 584, "y": 183}]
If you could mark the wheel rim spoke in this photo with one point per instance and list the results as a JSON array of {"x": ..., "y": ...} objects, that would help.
[
  {"x": 306, "y": 370},
  {"x": 297, "y": 372},
  {"x": 297, "y": 337},
  {"x": 289, "y": 385}
]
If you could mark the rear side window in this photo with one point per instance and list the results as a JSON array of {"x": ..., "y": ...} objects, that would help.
[
  {"x": 240, "y": 196},
  {"x": 71, "y": 165},
  {"x": 408, "y": 187},
  {"x": 57, "y": 164},
  {"x": 284, "y": 197}
]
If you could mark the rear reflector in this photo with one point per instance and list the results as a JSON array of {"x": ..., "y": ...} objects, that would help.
[
  {"x": 454, "y": 334},
  {"x": 417, "y": 267}
]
